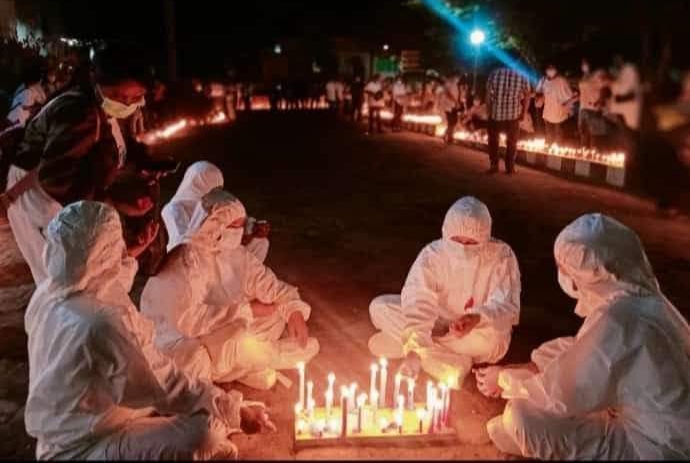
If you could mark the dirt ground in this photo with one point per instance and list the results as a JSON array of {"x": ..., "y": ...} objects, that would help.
[{"x": 349, "y": 214}]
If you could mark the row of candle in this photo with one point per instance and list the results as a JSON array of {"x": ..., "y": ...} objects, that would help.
[
  {"x": 436, "y": 408},
  {"x": 537, "y": 145}
]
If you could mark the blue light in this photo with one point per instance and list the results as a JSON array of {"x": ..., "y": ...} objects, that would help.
[
  {"x": 477, "y": 37},
  {"x": 444, "y": 11}
]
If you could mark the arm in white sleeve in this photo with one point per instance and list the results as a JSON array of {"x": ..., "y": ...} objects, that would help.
[
  {"x": 139, "y": 376},
  {"x": 550, "y": 350},
  {"x": 502, "y": 307},
  {"x": 262, "y": 284},
  {"x": 581, "y": 379},
  {"x": 420, "y": 300}
]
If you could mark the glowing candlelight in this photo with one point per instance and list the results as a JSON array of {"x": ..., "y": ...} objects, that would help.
[
  {"x": 372, "y": 381},
  {"x": 410, "y": 393},
  {"x": 352, "y": 395},
  {"x": 310, "y": 392},
  {"x": 437, "y": 413},
  {"x": 429, "y": 386},
  {"x": 298, "y": 409},
  {"x": 399, "y": 420},
  {"x": 300, "y": 368},
  {"x": 374, "y": 401},
  {"x": 383, "y": 424},
  {"x": 300, "y": 426},
  {"x": 331, "y": 381},
  {"x": 446, "y": 404},
  {"x": 311, "y": 403},
  {"x": 384, "y": 375},
  {"x": 361, "y": 400}
]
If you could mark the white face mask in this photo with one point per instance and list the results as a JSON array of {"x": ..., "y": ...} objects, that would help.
[
  {"x": 465, "y": 251},
  {"x": 568, "y": 285},
  {"x": 119, "y": 110},
  {"x": 231, "y": 238}
]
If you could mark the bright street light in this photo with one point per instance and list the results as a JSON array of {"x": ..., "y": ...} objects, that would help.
[
  {"x": 385, "y": 47},
  {"x": 277, "y": 49},
  {"x": 477, "y": 37}
]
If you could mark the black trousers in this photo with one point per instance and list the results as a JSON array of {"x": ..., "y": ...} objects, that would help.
[
  {"x": 452, "y": 118},
  {"x": 375, "y": 113},
  {"x": 554, "y": 132},
  {"x": 511, "y": 129},
  {"x": 397, "y": 116}
]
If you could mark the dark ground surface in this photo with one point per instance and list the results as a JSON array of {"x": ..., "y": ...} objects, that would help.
[{"x": 349, "y": 214}]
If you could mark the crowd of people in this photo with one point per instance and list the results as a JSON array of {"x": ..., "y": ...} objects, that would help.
[{"x": 110, "y": 380}]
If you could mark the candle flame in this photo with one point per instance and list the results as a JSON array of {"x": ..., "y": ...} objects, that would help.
[{"x": 383, "y": 362}]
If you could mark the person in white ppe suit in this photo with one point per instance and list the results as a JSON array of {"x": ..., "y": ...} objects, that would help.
[
  {"x": 98, "y": 388},
  {"x": 459, "y": 303},
  {"x": 200, "y": 178},
  {"x": 220, "y": 312},
  {"x": 620, "y": 388}
]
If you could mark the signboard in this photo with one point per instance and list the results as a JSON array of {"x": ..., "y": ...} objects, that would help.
[{"x": 410, "y": 60}]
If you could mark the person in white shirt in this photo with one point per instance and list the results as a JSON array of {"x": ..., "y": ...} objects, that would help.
[
  {"x": 591, "y": 124},
  {"x": 399, "y": 96},
  {"x": 448, "y": 102},
  {"x": 28, "y": 99},
  {"x": 557, "y": 97},
  {"x": 375, "y": 101}
]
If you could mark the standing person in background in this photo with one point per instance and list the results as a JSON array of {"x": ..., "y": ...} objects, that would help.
[
  {"x": 357, "y": 90},
  {"x": 590, "y": 122},
  {"x": 331, "y": 96},
  {"x": 448, "y": 102},
  {"x": 375, "y": 101},
  {"x": 557, "y": 96},
  {"x": 340, "y": 94},
  {"x": 247, "y": 95},
  {"x": 399, "y": 97},
  {"x": 508, "y": 97},
  {"x": 28, "y": 98}
]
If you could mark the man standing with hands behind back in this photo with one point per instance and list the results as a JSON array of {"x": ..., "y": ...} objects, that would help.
[{"x": 507, "y": 98}]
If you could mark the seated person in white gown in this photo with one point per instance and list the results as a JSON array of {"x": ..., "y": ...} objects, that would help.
[
  {"x": 220, "y": 312},
  {"x": 200, "y": 178},
  {"x": 466, "y": 287},
  {"x": 620, "y": 388}
]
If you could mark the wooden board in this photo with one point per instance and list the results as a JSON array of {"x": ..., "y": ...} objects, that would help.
[{"x": 372, "y": 436}]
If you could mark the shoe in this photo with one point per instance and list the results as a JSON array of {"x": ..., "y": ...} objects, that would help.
[{"x": 492, "y": 170}]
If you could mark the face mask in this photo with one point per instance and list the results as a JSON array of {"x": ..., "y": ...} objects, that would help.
[
  {"x": 466, "y": 251},
  {"x": 231, "y": 238},
  {"x": 568, "y": 285},
  {"x": 551, "y": 73},
  {"x": 119, "y": 110}
]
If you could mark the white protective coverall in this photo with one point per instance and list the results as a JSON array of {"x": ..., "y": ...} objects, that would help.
[
  {"x": 620, "y": 389},
  {"x": 98, "y": 388},
  {"x": 449, "y": 280},
  {"x": 199, "y": 303},
  {"x": 200, "y": 178}
]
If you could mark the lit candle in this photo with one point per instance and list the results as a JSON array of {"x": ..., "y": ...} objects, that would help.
[
  {"x": 310, "y": 393},
  {"x": 396, "y": 387},
  {"x": 333, "y": 425},
  {"x": 446, "y": 405},
  {"x": 383, "y": 424},
  {"x": 352, "y": 395},
  {"x": 300, "y": 368},
  {"x": 374, "y": 402},
  {"x": 311, "y": 403},
  {"x": 298, "y": 410},
  {"x": 410, "y": 393},
  {"x": 300, "y": 426},
  {"x": 420, "y": 416},
  {"x": 401, "y": 404},
  {"x": 384, "y": 374},
  {"x": 431, "y": 410},
  {"x": 438, "y": 409},
  {"x": 361, "y": 400},
  {"x": 399, "y": 420},
  {"x": 344, "y": 392},
  {"x": 331, "y": 381},
  {"x": 372, "y": 381},
  {"x": 329, "y": 402},
  {"x": 442, "y": 401},
  {"x": 429, "y": 385}
]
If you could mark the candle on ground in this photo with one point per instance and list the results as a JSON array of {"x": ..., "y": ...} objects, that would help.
[
  {"x": 344, "y": 392},
  {"x": 429, "y": 386},
  {"x": 300, "y": 426},
  {"x": 383, "y": 424},
  {"x": 331, "y": 381},
  {"x": 300, "y": 368},
  {"x": 384, "y": 375},
  {"x": 311, "y": 404},
  {"x": 444, "y": 392},
  {"x": 410, "y": 393},
  {"x": 329, "y": 402},
  {"x": 361, "y": 400},
  {"x": 446, "y": 405},
  {"x": 396, "y": 387},
  {"x": 399, "y": 420},
  {"x": 372, "y": 382},
  {"x": 420, "y": 416},
  {"x": 438, "y": 409},
  {"x": 351, "y": 397},
  {"x": 374, "y": 402},
  {"x": 310, "y": 393}
]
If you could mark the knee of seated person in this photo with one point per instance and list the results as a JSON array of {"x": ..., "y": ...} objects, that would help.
[{"x": 519, "y": 416}]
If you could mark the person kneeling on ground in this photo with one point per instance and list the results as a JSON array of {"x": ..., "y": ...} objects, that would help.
[
  {"x": 219, "y": 312},
  {"x": 200, "y": 178},
  {"x": 465, "y": 286},
  {"x": 98, "y": 388},
  {"x": 619, "y": 389}
]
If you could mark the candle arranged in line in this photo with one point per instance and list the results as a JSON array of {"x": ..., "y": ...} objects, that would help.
[
  {"x": 351, "y": 397},
  {"x": 300, "y": 368},
  {"x": 344, "y": 393},
  {"x": 310, "y": 394},
  {"x": 383, "y": 363},
  {"x": 396, "y": 386},
  {"x": 331, "y": 381},
  {"x": 329, "y": 402},
  {"x": 361, "y": 400},
  {"x": 372, "y": 381},
  {"x": 420, "y": 416},
  {"x": 410, "y": 393}
]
